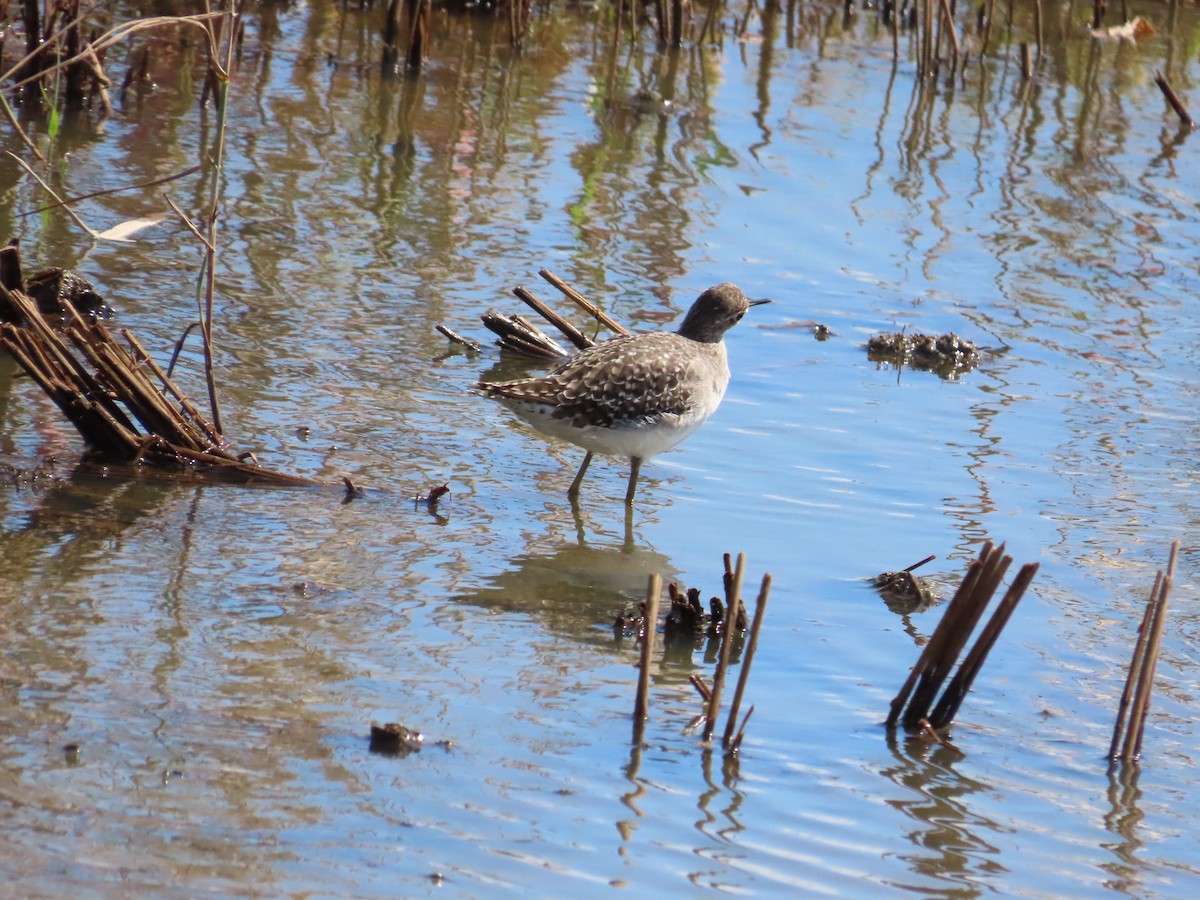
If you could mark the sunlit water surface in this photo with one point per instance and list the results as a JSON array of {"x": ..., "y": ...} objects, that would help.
[{"x": 216, "y": 655}]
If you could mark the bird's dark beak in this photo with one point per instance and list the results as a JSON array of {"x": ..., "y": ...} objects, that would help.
[{"x": 758, "y": 302}]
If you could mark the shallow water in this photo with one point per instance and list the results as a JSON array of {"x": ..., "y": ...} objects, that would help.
[{"x": 217, "y": 654}]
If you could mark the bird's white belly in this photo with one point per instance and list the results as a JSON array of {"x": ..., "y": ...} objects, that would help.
[{"x": 642, "y": 438}]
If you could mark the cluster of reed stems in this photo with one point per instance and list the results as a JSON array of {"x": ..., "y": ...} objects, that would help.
[
  {"x": 915, "y": 705},
  {"x": 1134, "y": 705},
  {"x": 710, "y": 694}
]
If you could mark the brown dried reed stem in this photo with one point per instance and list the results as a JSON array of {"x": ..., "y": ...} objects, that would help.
[
  {"x": 760, "y": 608},
  {"x": 736, "y": 743},
  {"x": 572, "y": 334},
  {"x": 650, "y": 625},
  {"x": 947, "y": 25},
  {"x": 943, "y": 714},
  {"x": 1185, "y": 118},
  {"x": 102, "y": 388},
  {"x": 948, "y": 639},
  {"x": 583, "y": 303},
  {"x": 1026, "y": 63},
  {"x": 1140, "y": 681},
  {"x": 733, "y": 591}
]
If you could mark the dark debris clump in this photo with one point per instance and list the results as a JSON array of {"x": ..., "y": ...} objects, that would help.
[
  {"x": 394, "y": 739},
  {"x": 686, "y": 616},
  {"x": 905, "y": 593},
  {"x": 946, "y": 354}
]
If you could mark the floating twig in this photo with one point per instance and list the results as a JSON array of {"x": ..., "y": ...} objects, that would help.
[{"x": 456, "y": 338}]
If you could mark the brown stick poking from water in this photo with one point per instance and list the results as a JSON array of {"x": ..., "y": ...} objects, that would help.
[
  {"x": 733, "y": 590},
  {"x": 760, "y": 608},
  {"x": 583, "y": 303},
  {"x": 948, "y": 639},
  {"x": 650, "y": 624},
  {"x": 946, "y": 709},
  {"x": 1176, "y": 104},
  {"x": 570, "y": 332},
  {"x": 1026, "y": 62},
  {"x": 930, "y": 558},
  {"x": 737, "y": 741},
  {"x": 419, "y": 13},
  {"x": 1140, "y": 681}
]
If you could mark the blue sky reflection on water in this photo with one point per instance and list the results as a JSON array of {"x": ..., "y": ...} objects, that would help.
[{"x": 218, "y": 653}]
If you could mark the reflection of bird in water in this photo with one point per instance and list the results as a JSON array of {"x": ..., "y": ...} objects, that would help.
[
  {"x": 574, "y": 589},
  {"x": 635, "y": 395}
]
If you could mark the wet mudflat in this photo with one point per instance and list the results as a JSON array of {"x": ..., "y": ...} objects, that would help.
[{"x": 190, "y": 673}]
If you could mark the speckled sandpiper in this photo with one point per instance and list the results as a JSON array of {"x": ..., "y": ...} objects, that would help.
[{"x": 635, "y": 395}]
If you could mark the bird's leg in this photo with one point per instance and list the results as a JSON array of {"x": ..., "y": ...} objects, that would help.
[
  {"x": 635, "y": 466},
  {"x": 573, "y": 491}
]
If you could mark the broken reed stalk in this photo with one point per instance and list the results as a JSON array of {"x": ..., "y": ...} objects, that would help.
[
  {"x": 518, "y": 334},
  {"x": 222, "y": 40},
  {"x": 936, "y": 650},
  {"x": 419, "y": 13},
  {"x": 1140, "y": 681},
  {"x": 760, "y": 608},
  {"x": 943, "y": 714},
  {"x": 583, "y": 303},
  {"x": 1185, "y": 118},
  {"x": 961, "y": 616},
  {"x": 391, "y": 35},
  {"x": 650, "y": 624},
  {"x": 733, "y": 591},
  {"x": 570, "y": 332},
  {"x": 702, "y": 689},
  {"x": 103, "y": 398},
  {"x": 736, "y": 744},
  {"x": 930, "y": 558},
  {"x": 1135, "y": 666},
  {"x": 947, "y": 25},
  {"x": 1039, "y": 29}
]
